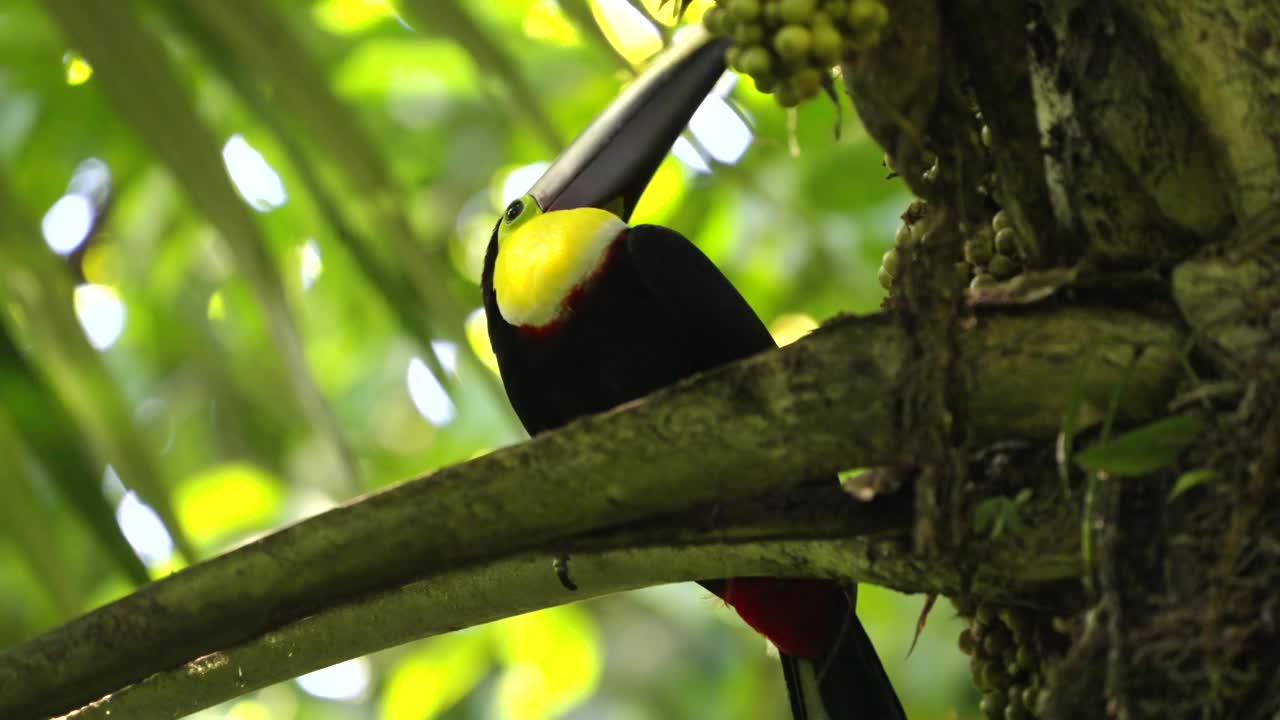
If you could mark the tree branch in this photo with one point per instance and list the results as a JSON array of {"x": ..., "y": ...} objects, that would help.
[{"x": 765, "y": 424}]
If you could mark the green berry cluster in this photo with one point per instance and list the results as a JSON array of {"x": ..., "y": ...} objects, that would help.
[
  {"x": 789, "y": 46},
  {"x": 909, "y": 235},
  {"x": 1004, "y": 645},
  {"x": 993, "y": 252}
]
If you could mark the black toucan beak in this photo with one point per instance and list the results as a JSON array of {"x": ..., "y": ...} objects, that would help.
[{"x": 611, "y": 162}]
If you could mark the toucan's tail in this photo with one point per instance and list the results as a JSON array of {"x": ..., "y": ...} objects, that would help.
[
  {"x": 847, "y": 683},
  {"x": 831, "y": 669}
]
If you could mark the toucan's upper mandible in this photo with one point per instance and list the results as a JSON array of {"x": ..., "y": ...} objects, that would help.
[{"x": 611, "y": 162}]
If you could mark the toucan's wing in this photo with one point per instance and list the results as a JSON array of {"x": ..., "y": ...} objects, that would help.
[{"x": 704, "y": 308}]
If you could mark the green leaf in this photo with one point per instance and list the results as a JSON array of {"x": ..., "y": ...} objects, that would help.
[
  {"x": 40, "y": 420},
  {"x": 552, "y": 661},
  {"x": 26, "y": 520},
  {"x": 450, "y": 665},
  {"x": 453, "y": 20},
  {"x": 253, "y": 36},
  {"x": 228, "y": 499},
  {"x": 36, "y": 286},
  {"x": 140, "y": 80},
  {"x": 1144, "y": 450},
  {"x": 1192, "y": 479}
]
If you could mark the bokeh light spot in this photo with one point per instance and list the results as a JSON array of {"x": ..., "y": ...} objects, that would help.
[
  {"x": 428, "y": 395},
  {"x": 249, "y": 710},
  {"x": 143, "y": 529},
  {"x": 67, "y": 223},
  {"x": 627, "y": 29},
  {"x": 101, "y": 314},
  {"x": 347, "y": 681},
  {"x": 546, "y": 21},
  {"x": 228, "y": 498},
  {"x": 790, "y": 327},
  {"x": 309, "y": 263},
  {"x": 347, "y": 17},
  {"x": 720, "y": 130},
  {"x": 437, "y": 674},
  {"x": 518, "y": 181},
  {"x": 217, "y": 309},
  {"x": 477, "y": 330},
  {"x": 447, "y": 353},
  {"x": 258, "y": 183},
  {"x": 686, "y": 153},
  {"x": 78, "y": 70}
]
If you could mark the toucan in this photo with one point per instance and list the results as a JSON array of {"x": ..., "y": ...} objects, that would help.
[{"x": 585, "y": 312}]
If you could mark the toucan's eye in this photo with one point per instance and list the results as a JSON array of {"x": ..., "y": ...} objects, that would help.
[{"x": 514, "y": 209}]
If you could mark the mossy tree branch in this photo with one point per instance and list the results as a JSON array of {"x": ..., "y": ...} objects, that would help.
[{"x": 765, "y": 424}]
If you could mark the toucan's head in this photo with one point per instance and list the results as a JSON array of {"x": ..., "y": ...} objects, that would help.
[{"x": 554, "y": 239}]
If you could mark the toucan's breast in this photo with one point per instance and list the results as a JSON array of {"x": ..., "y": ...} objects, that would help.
[{"x": 613, "y": 342}]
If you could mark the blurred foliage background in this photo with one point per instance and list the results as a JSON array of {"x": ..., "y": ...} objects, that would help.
[{"x": 240, "y": 247}]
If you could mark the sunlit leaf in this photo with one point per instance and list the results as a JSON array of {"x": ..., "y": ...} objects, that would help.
[
  {"x": 628, "y": 30},
  {"x": 1144, "y": 450},
  {"x": 552, "y": 661},
  {"x": 433, "y": 678},
  {"x": 350, "y": 16},
  {"x": 227, "y": 499},
  {"x": 1192, "y": 479}
]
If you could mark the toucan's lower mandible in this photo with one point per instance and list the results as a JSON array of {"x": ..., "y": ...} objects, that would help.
[{"x": 586, "y": 313}]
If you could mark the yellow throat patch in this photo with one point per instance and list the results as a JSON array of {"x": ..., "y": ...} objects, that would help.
[{"x": 546, "y": 257}]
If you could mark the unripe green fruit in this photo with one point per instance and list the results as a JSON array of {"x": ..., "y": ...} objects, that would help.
[
  {"x": 978, "y": 249},
  {"x": 756, "y": 61},
  {"x": 985, "y": 614},
  {"x": 903, "y": 237},
  {"x": 806, "y": 83},
  {"x": 714, "y": 20},
  {"x": 996, "y": 641},
  {"x": 889, "y": 262},
  {"x": 1000, "y": 221},
  {"x": 1002, "y": 266},
  {"x": 828, "y": 44},
  {"x": 772, "y": 13},
  {"x": 866, "y": 18},
  {"x": 1014, "y": 696},
  {"x": 793, "y": 42},
  {"x": 1007, "y": 242},
  {"x": 745, "y": 10},
  {"x": 995, "y": 677},
  {"x": 732, "y": 57},
  {"x": 967, "y": 642},
  {"x": 748, "y": 34},
  {"x": 1012, "y": 712},
  {"x": 797, "y": 11},
  {"x": 836, "y": 8},
  {"x": 765, "y": 84},
  {"x": 886, "y": 280},
  {"x": 917, "y": 231},
  {"x": 867, "y": 15},
  {"x": 992, "y": 706},
  {"x": 982, "y": 280},
  {"x": 1025, "y": 658},
  {"x": 786, "y": 96}
]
